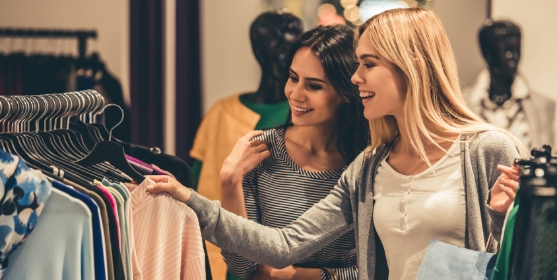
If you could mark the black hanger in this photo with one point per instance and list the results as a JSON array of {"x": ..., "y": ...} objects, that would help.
[{"x": 112, "y": 152}]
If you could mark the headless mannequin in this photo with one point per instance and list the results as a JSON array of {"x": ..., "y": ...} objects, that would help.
[
  {"x": 500, "y": 45},
  {"x": 272, "y": 35}
]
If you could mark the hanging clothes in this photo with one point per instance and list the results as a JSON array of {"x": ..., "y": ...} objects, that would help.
[
  {"x": 24, "y": 194},
  {"x": 86, "y": 228},
  {"x": 154, "y": 217}
]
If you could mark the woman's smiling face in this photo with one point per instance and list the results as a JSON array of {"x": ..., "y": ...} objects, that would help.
[
  {"x": 312, "y": 98},
  {"x": 381, "y": 85}
]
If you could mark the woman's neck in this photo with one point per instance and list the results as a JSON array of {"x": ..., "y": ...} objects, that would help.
[
  {"x": 315, "y": 139},
  {"x": 403, "y": 144}
]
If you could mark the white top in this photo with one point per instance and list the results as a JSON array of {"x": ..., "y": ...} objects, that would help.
[
  {"x": 510, "y": 115},
  {"x": 411, "y": 210}
]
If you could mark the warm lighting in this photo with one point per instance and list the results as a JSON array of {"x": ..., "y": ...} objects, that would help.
[
  {"x": 346, "y": 3},
  {"x": 358, "y": 22},
  {"x": 352, "y": 13},
  {"x": 369, "y": 8},
  {"x": 326, "y": 11}
]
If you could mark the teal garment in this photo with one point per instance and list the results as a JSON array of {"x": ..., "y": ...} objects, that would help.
[
  {"x": 502, "y": 266},
  {"x": 195, "y": 172},
  {"x": 61, "y": 246},
  {"x": 272, "y": 115}
]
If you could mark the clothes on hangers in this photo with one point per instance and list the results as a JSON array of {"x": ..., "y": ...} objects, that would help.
[
  {"x": 62, "y": 247},
  {"x": 529, "y": 248},
  {"x": 181, "y": 256},
  {"x": 33, "y": 74},
  {"x": 98, "y": 238},
  {"x": 89, "y": 217},
  {"x": 24, "y": 193}
]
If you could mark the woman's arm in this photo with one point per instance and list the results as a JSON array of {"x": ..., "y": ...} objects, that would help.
[
  {"x": 320, "y": 225},
  {"x": 496, "y": 151},
  {"x": 242, "y": 200},
  {"x": 246, "y": 155},
  {"x": 265, "y": 272},
  {"x": 299, "y": 273}
]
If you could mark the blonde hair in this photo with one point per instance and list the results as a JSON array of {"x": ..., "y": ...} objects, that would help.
[{"x": 415, "y": 41}]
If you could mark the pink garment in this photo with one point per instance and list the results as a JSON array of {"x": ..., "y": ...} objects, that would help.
[
  {"x": 114, "y": 209},
  {"x": 146, "y": 165},
  {"x": 166, "y": 236}
]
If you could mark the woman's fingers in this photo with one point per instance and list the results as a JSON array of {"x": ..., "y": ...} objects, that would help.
[
  {"x": 508, "y": 171},
  {"x": 168, "y": 184},
  {"x": 508, "y": 183},
  {"x": 159, "y": 178},
  {"x": 509, "y": 192},
  {"x": 250, "y": 135},
  {"x": 162, "y": 183},
  {"x": 263, "y": 155},
  {"x": 255, "y": 143},
  {"x": 261, "y": 148}
]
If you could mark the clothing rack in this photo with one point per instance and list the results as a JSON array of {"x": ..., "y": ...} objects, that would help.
[
  {"x": 25, "y": 113},
  {"x": 84, "y": 194},
  {"x": 80, "y": 35}
]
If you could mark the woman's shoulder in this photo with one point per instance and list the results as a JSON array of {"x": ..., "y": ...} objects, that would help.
[
  {"x": 270, "y": 134},
  {"x": 491, "y": 143},
  {"x": 489, "y": 138},
  {"x": 275, "y": 142}
]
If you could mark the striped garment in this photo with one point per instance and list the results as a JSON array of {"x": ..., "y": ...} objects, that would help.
[
  {"x": 276, "y": 193},
  {"x": 165, "y": 236}
]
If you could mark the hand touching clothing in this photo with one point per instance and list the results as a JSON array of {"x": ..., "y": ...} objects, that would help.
[
  {"x": 165, "y": 183},
  {"x": 245, "y": 156},
  {"x": 504, "y": 190}
]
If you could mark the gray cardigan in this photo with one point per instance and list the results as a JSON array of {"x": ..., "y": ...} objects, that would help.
[{"x": 350, "y": 206}]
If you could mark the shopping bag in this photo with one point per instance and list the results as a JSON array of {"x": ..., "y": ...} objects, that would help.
[{"x": 445, "y": 261}]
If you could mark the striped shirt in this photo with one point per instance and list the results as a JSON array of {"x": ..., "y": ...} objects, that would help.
[{"x": 276, "y": 193}]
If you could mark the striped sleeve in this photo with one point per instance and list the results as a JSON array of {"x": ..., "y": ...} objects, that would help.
[
  {"x": 347, "y": 273},
  {"x": 344, "y": 273},
  {"x": 238, "y": 265}
]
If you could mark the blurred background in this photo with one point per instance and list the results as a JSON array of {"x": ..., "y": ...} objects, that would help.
[{"x": 169, "y": 61}]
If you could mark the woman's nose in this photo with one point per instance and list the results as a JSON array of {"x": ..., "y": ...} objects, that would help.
[
  {"x": 356, "y": 78},
  {"x": 297, "y": 93}
]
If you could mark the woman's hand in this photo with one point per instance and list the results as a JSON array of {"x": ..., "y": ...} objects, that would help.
[
  {"x": 170, "y": 185},
  {"x": 265, "y": 272},
  {"x": 504, "y": 190},
  {"x": 245, "y": 156}
]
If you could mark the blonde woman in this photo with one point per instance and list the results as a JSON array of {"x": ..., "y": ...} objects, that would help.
[{"x": 433, "y": 169}]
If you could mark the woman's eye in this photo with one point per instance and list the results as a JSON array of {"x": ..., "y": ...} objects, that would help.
[
  {"x": 368, "y": 65},
  {"x": 314, "y": 87},
  {"x": 294, "y": 79}
]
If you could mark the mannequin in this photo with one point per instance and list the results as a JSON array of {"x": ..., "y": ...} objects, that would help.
[
  {"x": 500, "y": 45},
  {"x": 501, "y": 94},
  {"x": 271, "y": 35}
]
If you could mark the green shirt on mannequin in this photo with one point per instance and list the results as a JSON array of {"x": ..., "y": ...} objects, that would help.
[{"x": 272, "y": 115}]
